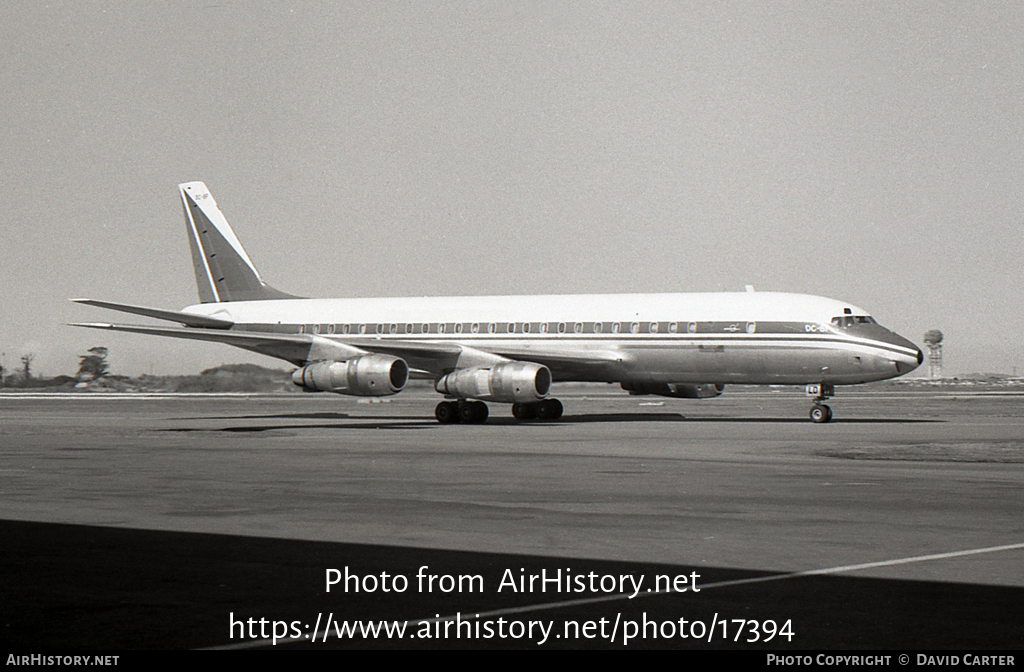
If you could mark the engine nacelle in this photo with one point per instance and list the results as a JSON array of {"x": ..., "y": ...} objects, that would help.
[
  {"x": 681, "y": 391},
  {"x": 513, "y": 382},
  {"x": 366, "y": 376}
]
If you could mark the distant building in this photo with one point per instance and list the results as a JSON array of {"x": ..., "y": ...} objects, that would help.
[{"x": 933, "y": 339}]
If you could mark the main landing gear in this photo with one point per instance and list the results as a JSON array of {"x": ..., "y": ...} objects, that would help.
[
  {"x": 475, "y": 412},
  {"x": 821, "y": 413},
  {"x": 545, "y": 409},
  {"x": 461, "y": 411}
]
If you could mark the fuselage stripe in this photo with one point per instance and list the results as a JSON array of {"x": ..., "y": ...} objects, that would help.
[{"x": 603, "y": 340}]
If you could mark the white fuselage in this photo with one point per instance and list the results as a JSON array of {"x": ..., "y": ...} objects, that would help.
[{"x": 741, "y": 337}]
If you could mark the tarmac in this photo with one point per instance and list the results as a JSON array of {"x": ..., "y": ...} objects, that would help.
[{"x": 161, "y": 521}]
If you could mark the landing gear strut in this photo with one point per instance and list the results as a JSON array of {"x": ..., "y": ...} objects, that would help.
[{"x": 821, "y": 413}]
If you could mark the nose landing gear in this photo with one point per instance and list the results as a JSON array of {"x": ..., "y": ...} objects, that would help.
[{"x": 821, "y": 413}]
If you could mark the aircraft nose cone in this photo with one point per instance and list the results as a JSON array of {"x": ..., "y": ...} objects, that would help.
[
  {"x": 905, "y": 366},
  {"x": 911, "y": 362}
]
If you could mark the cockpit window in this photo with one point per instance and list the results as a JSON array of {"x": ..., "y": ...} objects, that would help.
[{"x": 844, "y": 321}]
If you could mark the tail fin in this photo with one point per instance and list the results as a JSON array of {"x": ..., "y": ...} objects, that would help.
[{"x": 224, "y": 271}]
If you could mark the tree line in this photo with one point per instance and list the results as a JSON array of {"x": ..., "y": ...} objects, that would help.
[
  {"x": 94, "y": 373},
  {"x": 91, "y": 366}
]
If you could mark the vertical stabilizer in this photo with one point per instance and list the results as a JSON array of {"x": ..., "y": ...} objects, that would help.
[{"x": 224, "y": 271}]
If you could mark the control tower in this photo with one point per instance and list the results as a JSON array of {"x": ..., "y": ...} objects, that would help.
[{"x": 933, "y": 339}]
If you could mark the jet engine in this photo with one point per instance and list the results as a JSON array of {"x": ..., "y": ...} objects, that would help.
[
  {"x": 515, "y": 382},
  {"x": 366, "y": 376},
  {"x": 705, "y": 391}
]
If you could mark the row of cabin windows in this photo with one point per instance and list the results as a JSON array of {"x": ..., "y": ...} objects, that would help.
[{"x": 514, "y": 328}]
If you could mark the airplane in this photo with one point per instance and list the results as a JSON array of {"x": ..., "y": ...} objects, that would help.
[{"x": 510, "y": 349}]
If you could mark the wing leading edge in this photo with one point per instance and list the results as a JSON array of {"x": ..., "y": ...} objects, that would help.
[{"x": 429, "y": 360}]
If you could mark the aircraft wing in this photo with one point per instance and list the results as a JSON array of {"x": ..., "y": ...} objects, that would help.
[
  {"x": 426, "y": 359},
  {"x": 294, "y": 348},
  {"x": 442, "y": 358},
  {"x": 301, "y": 349},
  {"x": 592, "y": 364}
]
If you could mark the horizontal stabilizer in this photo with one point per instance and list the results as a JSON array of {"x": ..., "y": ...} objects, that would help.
[
  {"x": 188, "y": 319},
  {"x": 294, "y": 348}
]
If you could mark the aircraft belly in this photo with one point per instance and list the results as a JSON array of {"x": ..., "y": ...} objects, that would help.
[
  {"x": 696, "y": 363},
  {"x": 753, "y": 364}
]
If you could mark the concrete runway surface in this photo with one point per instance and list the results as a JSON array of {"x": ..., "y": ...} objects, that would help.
[{"x": 155, "y": 521}]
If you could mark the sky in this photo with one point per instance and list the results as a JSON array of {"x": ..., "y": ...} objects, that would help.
[{"x": 869, "y": 152}]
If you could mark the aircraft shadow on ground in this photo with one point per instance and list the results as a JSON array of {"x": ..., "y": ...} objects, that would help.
[
  {"x": 678, "y": 417},
  {"x": 418, "y": 421},
  {"x": 269, "y": 416},
  {"x": 76, "y": 587}
]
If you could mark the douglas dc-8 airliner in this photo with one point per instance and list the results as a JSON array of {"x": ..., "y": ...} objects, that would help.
[{"x": 509, "y": 349}]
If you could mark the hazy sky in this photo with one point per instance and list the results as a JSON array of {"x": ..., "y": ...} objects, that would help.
[{"x": 866, "y": 151}]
